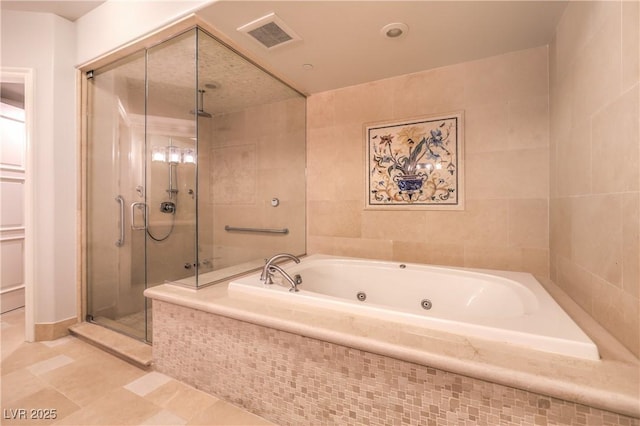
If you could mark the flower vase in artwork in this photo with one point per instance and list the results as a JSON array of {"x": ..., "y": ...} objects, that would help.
[{"x": 409, "y": 183}]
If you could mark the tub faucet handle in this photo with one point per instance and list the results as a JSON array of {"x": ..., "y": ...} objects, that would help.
[
  {"x": 295, "y": 281},
  {"x": 266, "y": 270}
]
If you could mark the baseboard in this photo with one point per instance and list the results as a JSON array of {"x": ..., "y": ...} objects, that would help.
[
  {"x": 11, "y": 299},
  {"x": 53, "y": 330}
]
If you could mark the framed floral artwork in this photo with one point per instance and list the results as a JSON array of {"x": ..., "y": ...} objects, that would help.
[{"x": 416, "y": 163}]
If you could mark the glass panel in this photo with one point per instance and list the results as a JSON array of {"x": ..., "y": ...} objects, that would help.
[
  {"x": 251, "y": 164},
  {"x": 193, "y": 152},
  {"x": 171, "y": 165},
  {"x": 115, "y": 147}
]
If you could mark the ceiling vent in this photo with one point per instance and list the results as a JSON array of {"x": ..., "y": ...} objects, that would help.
[{"x": 270, "y": 31}]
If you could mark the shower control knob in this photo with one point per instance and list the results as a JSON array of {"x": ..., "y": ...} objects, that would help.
[
  {"x": 188, "y": 265},
  {"x": 167, "y": 207}
]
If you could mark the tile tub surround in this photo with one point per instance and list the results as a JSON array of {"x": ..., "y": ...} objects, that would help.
[
  {"x": 506, "y": 154},
  {"x": 594, "y": 241},
  {"x": 210, "y": 343}
]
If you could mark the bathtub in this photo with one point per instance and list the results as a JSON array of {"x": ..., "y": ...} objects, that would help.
[{"x": 501, "y": 306}]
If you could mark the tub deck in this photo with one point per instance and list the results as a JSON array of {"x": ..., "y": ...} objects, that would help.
[{"x": 612, "y": 383}]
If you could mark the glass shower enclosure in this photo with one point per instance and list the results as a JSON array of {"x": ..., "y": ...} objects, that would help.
[{"x": 194, "y": 172}]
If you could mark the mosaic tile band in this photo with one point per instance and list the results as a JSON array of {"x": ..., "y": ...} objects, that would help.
[{"x": 293, "y": 380}]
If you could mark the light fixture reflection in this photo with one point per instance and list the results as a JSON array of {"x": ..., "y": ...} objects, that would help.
[
  {"x": 189, "y": 156},
  {"x": 173, "y": 155},
  {"x": 159, "y": 154}
]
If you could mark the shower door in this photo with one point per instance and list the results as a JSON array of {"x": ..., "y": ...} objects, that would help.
[{"x": 140, "y": 223}]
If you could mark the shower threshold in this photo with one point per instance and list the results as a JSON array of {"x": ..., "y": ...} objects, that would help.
[{"x": 127, "y": 348}]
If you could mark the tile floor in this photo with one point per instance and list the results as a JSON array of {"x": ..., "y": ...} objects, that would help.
[{"x": 79, "y": 384}]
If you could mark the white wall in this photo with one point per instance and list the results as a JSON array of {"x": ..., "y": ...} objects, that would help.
[
  {"x": 117, "y": 23},
  {"x": 46, "y": 43}
]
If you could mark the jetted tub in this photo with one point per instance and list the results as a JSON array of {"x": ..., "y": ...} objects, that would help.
[{"x": 509, "y": 307}]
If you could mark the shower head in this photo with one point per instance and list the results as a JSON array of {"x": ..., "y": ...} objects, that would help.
[{"x": 201, "y": 112}]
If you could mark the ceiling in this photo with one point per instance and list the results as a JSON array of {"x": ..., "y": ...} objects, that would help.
[
  {"x": 69, "y": 9},
  {"x": 341, "y": 42}
]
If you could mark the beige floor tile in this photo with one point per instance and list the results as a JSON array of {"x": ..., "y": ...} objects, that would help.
[
  {"x": 18, "y": 385},
  {"x": 61, "y": 341},
  {"x": 50, "y": 364},
  {"x": 77, "y": 349},
  {"x": 15, "y": 317},
  {"x": 147, "y": 383},
  {"x": 187, "y": 401},
  {"x": 85, "y": 386},
  {"x": 119, "y": 370},
  {"x": 117, "y": 407},
  {"x": 42, "y": 408},
  {"x": 223, "y": 413},
  {"x": 82, "y": 385},
  {"x": 11, "y": 330},
  {"x": 164, "y": 417},
  {"x": 10, "y": 343},
  {"x": 25, "y": 355},
  {"x": 165, "y": 393},
  {"x": 86, "y": 380}
]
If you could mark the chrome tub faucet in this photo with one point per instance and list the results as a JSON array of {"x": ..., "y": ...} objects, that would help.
[
  {"x": 270, "y": 268},
  {"x": 297, "y": 279}
]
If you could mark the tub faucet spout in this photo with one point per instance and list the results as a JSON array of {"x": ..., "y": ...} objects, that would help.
[
  {"x": 266, "y": 273},
  {"x": 297, "y": 279}
]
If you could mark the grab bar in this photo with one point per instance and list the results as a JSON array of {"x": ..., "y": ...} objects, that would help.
[
  {"x": 143, "y": 207},
  {"x": 263, "y": 230},
  {"x": 120, "y": 241}
]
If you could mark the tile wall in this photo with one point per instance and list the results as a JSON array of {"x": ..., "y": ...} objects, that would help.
[
  {"x": 257, "y": 154},
  {"x": 291, "y": 379},
  {"x": 595, "y": 163},
  {"x": 505, "y": 221}
]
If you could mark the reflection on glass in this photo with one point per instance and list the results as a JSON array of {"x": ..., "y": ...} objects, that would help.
[
  {"x": 189, "y": 156},
  {"x": 159, "y": 153}
]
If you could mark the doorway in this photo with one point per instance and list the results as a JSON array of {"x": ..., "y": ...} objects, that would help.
[
  {"x": 12, "y": 180},
  {"x": 15, "y": 194}
]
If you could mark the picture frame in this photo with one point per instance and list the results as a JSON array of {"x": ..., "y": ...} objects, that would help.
[{"x": 415, "y": 163}]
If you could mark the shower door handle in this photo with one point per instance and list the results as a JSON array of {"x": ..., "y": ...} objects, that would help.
[
  {"x": 120, "y": 241},
  {"x": 141, "y": 206}
]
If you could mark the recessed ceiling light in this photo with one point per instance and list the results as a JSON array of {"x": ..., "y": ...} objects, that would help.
[
  {"x": 307, "y": 67},
  {"x": 394, "y": 30}
]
